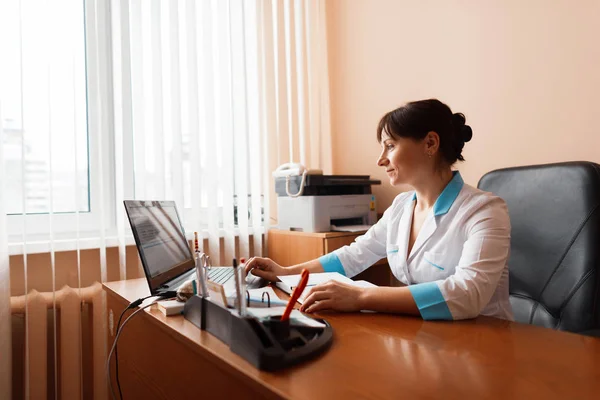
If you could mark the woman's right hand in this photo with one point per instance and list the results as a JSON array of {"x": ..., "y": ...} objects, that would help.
[{"x": 265, "y": 268}]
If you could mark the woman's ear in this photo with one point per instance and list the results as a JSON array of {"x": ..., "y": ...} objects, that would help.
[{"x": 432, "y": 143}]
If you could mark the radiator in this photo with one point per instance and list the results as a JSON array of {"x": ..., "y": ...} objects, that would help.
[{"x": 70, "y": 365}]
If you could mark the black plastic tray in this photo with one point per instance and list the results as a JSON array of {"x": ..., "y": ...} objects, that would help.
[{"x": 269, "y": 346}]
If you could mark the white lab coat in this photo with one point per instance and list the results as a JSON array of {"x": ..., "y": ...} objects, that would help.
[{"x": 458, "y": 266}]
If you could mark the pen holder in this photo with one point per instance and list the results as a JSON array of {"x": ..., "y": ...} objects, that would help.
[
  {"x": 287, "y": 335},
  {"x": 269, "y": 344},
  {"x": 278, "y": 328}
]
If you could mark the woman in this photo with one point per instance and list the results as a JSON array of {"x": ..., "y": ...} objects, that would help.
[{"x": 447, "y": 241}]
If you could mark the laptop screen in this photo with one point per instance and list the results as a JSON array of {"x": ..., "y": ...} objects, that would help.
[{"x": 160, "y": 239}]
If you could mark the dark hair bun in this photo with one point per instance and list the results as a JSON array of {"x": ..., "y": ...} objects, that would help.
[
  {"x": 463, "y": 132},
  {"x": 458, "y": 119},
  {"x": 467, "y": 133}
]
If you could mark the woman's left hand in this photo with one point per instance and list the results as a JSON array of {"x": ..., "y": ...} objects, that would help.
[{"x": 333, "y": 295}]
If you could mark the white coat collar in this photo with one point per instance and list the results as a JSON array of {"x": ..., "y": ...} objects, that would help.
[{"x": 442, "y": 206}]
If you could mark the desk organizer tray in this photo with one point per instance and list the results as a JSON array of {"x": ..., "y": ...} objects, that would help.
[{"x": 269, "y": 345}]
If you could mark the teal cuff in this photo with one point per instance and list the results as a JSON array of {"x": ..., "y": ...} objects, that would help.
[
  {"x": 331, "y": 263},
  {"x": 430, "y": 301}
]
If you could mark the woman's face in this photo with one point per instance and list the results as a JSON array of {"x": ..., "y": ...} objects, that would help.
[{"x": 402, "y": 158}]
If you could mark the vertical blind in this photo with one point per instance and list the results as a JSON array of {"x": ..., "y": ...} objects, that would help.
[
  {"x": 5, "y": 331},
  {"x": 195, "y": 101},
  {"x": 209, "y": 97},
  {"x": 186, "y": 116}
]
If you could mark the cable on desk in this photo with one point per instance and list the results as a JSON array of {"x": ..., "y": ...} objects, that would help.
[
  {"x": 120, "y": 329},
  {"x": 130, "y": 306}
]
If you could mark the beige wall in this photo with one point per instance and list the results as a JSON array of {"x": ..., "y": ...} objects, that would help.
[{"x": 525, "y": 73}]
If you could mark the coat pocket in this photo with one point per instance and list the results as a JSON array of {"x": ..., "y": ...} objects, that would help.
[
  {"x": 435, "y": 260},
  {"x": 391, "y": 249}
]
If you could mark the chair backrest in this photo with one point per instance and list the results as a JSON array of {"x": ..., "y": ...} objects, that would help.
[{"x": 555, "y": 242}]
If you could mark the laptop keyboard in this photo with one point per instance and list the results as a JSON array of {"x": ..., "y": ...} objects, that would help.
[{"x": 220, "y": 275}]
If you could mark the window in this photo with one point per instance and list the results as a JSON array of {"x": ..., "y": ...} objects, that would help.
[
  {"x": 43, "y": 100},
  {"x": 47, "y": 109},
  {"x": 103, "y": 101}
]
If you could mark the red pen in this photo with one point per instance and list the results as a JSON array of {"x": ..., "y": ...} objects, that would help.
[{"x": 295, "y": 295}]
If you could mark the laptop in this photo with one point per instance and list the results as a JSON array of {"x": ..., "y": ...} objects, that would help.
[{"x": 166, "y": 256}]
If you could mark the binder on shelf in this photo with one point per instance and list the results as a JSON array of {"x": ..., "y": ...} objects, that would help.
[{"x": 268, "y": 344}]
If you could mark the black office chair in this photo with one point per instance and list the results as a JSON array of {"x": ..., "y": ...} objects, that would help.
[{"x": 555, "y": 243}]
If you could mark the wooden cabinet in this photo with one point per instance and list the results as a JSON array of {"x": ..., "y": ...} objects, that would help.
[{"x": 289, "y": 248}]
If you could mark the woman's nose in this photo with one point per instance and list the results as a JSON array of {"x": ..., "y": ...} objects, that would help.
[{"x": 382, "y": 161}]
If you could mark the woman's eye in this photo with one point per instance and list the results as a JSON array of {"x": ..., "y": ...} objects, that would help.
[{"x": 389, "y": 147}]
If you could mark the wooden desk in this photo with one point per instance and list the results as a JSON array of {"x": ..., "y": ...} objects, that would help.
[{"x": 373, "y": 356}]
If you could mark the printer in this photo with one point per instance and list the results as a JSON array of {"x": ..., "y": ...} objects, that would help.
[{"x": 325, "y": 203}]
